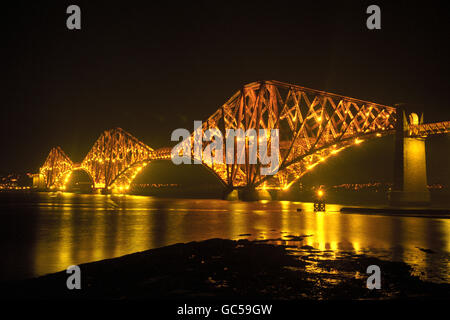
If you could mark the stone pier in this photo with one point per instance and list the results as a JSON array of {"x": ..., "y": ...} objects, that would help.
[
  {"x": 410, "y": 170},
  {"x": 248, "y": 195}
]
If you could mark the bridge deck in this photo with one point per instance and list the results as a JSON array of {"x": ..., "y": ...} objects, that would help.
[{"x": 427, "y": 129}]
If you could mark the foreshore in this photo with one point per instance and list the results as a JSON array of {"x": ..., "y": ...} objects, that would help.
[{"x": 228, "y": 269}]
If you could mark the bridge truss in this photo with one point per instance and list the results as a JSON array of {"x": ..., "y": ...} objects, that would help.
[
  {"x": 54, "y": 167},
  {"x": 427, "y": 129},
  {"x": 313, "y": 125}
]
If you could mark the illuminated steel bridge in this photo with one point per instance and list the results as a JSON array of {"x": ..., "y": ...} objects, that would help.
[{"x": 313, "y": 125}]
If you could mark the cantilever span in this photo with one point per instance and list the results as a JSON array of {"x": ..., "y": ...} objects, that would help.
[
  {"x": 55, "y": 166},
  {"x": 313, "y": 125},
  {"x": 113, "y": 159},
  {"x": 112, "y": 163}
]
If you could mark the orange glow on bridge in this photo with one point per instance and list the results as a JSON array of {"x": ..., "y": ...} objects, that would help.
[{"x": 313, "y": 125}]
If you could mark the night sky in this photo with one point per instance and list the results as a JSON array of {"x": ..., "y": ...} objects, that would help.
[{"x": 150, "y": 67}]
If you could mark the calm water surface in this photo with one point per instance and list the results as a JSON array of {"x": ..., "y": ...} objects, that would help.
[{"x": 42, "y": 233}]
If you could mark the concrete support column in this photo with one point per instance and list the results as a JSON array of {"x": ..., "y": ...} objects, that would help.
[{"x": 410, "y": 170}]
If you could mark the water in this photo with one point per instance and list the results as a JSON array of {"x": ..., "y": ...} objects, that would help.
[{"x": 42, "y": 233}]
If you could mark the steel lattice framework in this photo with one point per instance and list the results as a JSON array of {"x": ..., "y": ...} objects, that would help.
[
  {"x": 312, "y": 124},
  {"x": 427, "y": 129},
  {"x": 115, "y": 158},
  {"x": 113, "y": 162},
  {"x": 55, "y": 166}
]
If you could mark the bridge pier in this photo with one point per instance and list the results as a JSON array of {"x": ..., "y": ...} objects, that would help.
[
  {"x": 38, "y": 181},
  {"x": 410, "y": 170},
  {"x": 247, "y": 195},
  {"x": 105, "y": 191}
]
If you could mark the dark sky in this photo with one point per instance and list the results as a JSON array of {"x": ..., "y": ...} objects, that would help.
[{"x": 150, "y": 67}]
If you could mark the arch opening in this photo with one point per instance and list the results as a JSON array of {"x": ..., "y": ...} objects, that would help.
[
  {"x": 164, "y": 178},
  {"x": 78, "y": 180}
]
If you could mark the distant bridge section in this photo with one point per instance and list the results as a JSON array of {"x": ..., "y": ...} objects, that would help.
[
  {"x": 112, "y": 163},
  {"x": 427, "y": 129}
]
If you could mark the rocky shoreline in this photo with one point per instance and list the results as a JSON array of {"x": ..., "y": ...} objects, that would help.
[{"x": 228, "y": 269}]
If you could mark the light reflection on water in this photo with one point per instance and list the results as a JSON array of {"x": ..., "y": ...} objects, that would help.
[{"x": 44, "y": 233}]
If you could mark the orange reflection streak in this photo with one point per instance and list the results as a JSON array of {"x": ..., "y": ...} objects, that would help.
[{"x": 73, "y": 229}]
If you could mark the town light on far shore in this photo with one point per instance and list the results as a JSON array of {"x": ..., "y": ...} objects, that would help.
[{"x": 320, "y": 193}]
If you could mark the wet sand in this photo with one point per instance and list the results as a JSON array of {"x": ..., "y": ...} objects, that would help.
[{"x": 224, "y": 269}]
